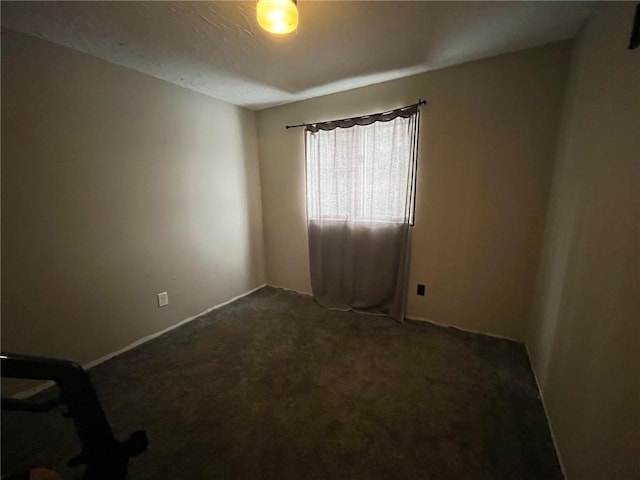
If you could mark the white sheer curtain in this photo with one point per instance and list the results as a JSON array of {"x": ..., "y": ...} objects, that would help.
[{"x": 360, "y": 205}]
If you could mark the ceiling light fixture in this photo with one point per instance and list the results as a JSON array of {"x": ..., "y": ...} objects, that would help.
[{"x": 277, "y": 16}]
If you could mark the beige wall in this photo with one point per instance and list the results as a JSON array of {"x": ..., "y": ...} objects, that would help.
[
  {"x": 117, "y": 186},
  {"x": 584, "y": 339},
  {"x": 488, "y": 138}
]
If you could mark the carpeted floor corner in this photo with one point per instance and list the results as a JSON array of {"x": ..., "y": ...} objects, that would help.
[{"x": 273, "y": 386}]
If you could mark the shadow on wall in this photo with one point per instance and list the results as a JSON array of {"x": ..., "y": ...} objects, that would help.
[
  {"x": 584, "y": 336},
  {"x": 252, "y": 187}
]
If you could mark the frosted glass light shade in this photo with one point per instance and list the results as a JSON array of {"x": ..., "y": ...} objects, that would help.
[{"x": 277, "y": 16}]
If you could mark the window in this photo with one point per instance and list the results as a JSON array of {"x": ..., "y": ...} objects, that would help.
[
  {"x": 364, "y": 173},
  {"x": 361, "y": 179}
]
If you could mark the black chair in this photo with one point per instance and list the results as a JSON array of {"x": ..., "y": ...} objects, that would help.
[{"x": 105, "y": 457}]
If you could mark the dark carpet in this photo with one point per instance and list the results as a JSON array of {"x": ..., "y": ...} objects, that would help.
[{"x": 273, "y": 386}]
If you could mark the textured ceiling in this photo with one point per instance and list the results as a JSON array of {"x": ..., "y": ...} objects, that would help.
[{"x": 217, "y": 48}]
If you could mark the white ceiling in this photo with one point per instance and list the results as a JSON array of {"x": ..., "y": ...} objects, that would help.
[{"x": 217, "y": 48}]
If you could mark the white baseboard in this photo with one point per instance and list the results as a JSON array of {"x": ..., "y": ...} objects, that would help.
[
  {"x": 546, "y": 414},
  {"x": 93, "y": 363},
  {"x": 420, "y": 319}
]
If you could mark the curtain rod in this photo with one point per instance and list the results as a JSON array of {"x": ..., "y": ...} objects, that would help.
[{"x": 420, "y": 103}]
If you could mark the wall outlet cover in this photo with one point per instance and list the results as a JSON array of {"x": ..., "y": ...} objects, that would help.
[
  {"x": 421, "y": 290},
  {"x": 163, "y": 299}
]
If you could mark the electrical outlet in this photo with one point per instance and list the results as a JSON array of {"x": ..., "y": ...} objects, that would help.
[
  {"x": 421, "y": 290},
  {"x": 163, "y": 299}
]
